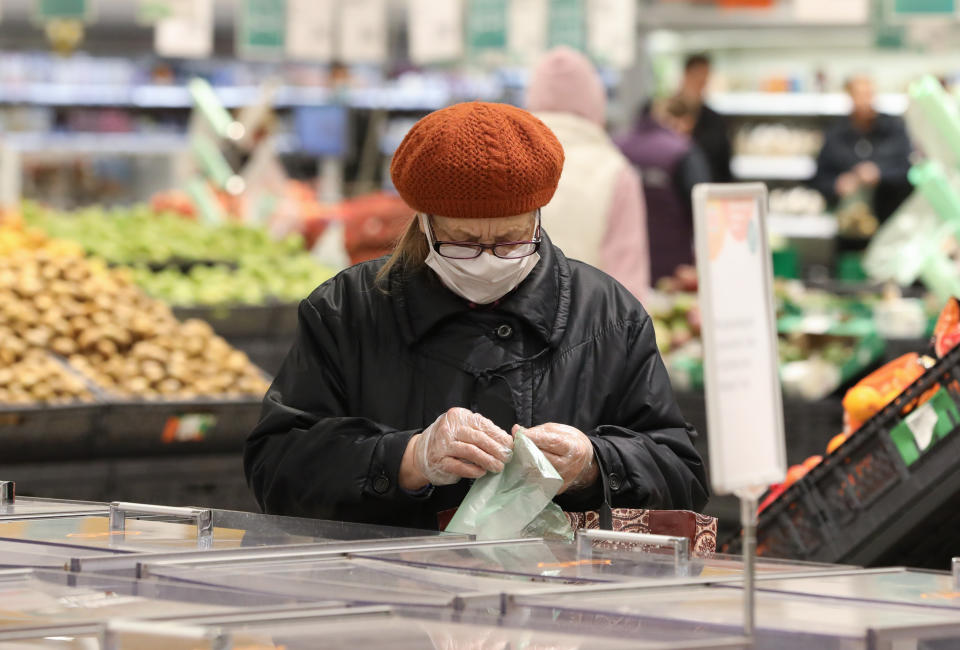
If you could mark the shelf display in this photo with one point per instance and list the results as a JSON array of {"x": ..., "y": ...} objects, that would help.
[
  {"x": 186, "y": 262},
  {"x": 127, "y": 344}
]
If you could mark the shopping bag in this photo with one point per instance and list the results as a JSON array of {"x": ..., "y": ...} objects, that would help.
[{"x": 517, "y": 502}]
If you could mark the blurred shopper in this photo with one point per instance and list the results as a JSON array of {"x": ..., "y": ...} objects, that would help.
[
  {"x": 867, "y": 152},
  {"x": 710, "y": 129},
  {"x": 670, "y": 164},
  {"x": 597, "y": 214}
]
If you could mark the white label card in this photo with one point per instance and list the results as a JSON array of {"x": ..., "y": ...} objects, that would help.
[
  {"x": 363, "y": 31},
  {"x": 832, "y": 12},
  {"x": 612, "y": 31},
  {"x": 435, "y": 30},
  {"x": 187, "y": 32},
  {"x": 527, "y": 28},
  {"x": 741, "y": 368},
  {"x": 310, "y": 29}
]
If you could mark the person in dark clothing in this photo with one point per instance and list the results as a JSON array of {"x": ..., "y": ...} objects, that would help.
[
  {"x": 407, "y": 372},
  {"x": 670, "y": 164},
  {"x": 865, "y": 151},
  {"x": 710, "y": 131}
]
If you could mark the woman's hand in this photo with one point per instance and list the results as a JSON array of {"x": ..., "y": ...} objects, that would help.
[
  {"x": 569, "y": 451},
  {"x": 459, "y": 444}
]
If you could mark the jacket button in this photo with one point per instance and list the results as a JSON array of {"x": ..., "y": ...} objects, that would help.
[
  {"x": 381, "y": 484},
  {"x": 504, "y": 331},
  {"x": 614, "y": 482}
]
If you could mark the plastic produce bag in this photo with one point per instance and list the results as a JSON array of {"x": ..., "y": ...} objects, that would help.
[{"x": 516, "y": 502}]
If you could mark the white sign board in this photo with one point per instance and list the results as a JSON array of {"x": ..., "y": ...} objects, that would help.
[
  {"x": 187, "y": 32},
  {"x": 744, "y": 407},
  {"x": 363, "y": 31},
  {"x": 612, "y": 31},
  {"x": 832, "y": 12},
  {"x": 435, "y": 30},
  {"x": 527, "y": 28},
  {"x": 310, "y": 29}
]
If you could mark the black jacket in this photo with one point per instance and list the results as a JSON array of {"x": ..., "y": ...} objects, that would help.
[
  {"x": 886, "y": 144},
  {"x": 711, "y": 134},
  {"x": 369, "y": 370}
]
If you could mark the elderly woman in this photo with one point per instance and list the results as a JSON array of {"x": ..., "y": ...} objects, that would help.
[{"x": 410, "y": 373}]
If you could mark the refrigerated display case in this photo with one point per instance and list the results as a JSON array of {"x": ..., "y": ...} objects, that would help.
[
  {"x": 117, "y": 539},
  {"x": 31, "y": 599},
  {"x": 29, "y": 508},
  {"x": 358, "y": 581},
  {"x": 893, "y": 585},
  {"x": 364, "y": 628},
  {"x": 784, "y": 621},
  {"x": 554, "y": 562}
]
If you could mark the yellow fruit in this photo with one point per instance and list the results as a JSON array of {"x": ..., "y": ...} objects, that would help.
[
  {"x": 862, "y": 402},
  {"x": 835, "y": 442}
]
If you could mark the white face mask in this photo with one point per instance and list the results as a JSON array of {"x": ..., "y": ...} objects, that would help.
[{"x": 480, "y": 280}]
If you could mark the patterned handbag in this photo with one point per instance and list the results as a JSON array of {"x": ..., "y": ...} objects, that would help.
[{"x": 701, "y": 530}]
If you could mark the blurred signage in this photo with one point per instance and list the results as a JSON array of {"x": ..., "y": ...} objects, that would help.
[
  {"x": 565, "y": 24},
  {"x": 61, "y": 9},
  {"x": 741, "y": 367},
  {"x": 185, "y": 29},
  {"x": 261, "y": 29},
  {"x": 831, "y": 12},
  {"x": 363, "y": 31},
  {"x": 487, "y": 24},
  {"x": 923, "y": 7},
  {"x": 527, "y": 28},
  {"x": 435, "y": 30},
  {"x": 611, "y": 31},
  {"x": 310, "y": 29}
]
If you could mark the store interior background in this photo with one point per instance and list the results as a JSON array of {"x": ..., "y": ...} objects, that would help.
[{"x": 105, "y": 124}]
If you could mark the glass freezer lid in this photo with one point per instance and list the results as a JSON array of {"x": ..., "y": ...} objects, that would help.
[
  {"x": 720, "y": 608},
  {"x": 36, "y": 598},
  {"x": 896, "y": 585},
  {"x": 44, "y": 556},
  {"x": 230, "y": 530},
  {"x": 354, "y": 579},
  {"x": 351, "y": 630},
  {"x": 562, "y": 562},
  {"x": 29, "y": 507}
]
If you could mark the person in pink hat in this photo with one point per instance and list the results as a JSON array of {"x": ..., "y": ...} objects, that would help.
[{"x": 597, "y": 214}]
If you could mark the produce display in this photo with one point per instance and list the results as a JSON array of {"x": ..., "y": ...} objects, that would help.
[
  {"x": 188, "y": 263},
  {"x": 883, "y": 387},
  {"x": 825, "y": 340},
  {"x": 797, "y": 201},
  {"x": 55, "y": 302},
  {"x": 777, "y": 140}
]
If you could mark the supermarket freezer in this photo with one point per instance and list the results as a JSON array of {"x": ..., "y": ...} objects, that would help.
[
  {"x": 548, "y": 561},
  {"x": 359, "y": 628},
  {"x": 36, "y": 599},
  {"x": 785, "y": 621}
]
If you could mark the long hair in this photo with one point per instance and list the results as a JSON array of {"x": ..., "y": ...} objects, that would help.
[{"x": 409, "y": 254}]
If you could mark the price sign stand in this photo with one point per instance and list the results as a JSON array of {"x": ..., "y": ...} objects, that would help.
[{"x": 741, "y": 375}]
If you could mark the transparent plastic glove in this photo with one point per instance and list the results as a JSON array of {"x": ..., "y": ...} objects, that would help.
[
  {"x": 461, "y": 444},
  {"x": 568, "y": 449}
]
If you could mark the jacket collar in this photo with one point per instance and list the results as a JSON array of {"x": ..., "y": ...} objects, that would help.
[{"x": 543, "y": 299}]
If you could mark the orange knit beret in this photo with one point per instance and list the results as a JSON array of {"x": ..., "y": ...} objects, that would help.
[{"x": 477, "y": 159}]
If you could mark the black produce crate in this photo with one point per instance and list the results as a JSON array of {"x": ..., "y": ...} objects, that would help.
[
  {"x": 42, "y": 431},
  {"x": 208, "y": 480},
  {"x": 865, "y": 505},
  {"x": 154, "y": 428},
  {"x": 267, "y": 354},
  {"x": 238, "y": 321}
]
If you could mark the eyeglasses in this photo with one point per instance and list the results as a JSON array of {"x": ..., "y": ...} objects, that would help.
[{"x": 511, "y": 250}]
